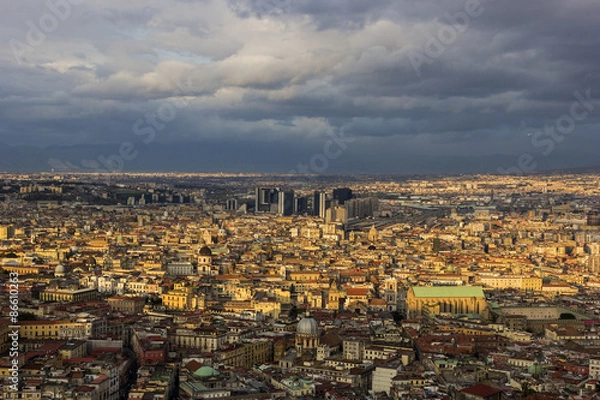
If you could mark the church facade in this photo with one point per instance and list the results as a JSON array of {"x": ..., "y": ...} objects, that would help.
[{"x": 434, "y": 300}]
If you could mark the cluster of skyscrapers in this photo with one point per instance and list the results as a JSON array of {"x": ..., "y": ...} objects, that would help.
[
  {"x": 286, "y": 202},
  {"x": 336, "y": 206}
]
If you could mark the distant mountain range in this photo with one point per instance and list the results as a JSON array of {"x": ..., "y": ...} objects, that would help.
[{"x": 259, "y": 157}]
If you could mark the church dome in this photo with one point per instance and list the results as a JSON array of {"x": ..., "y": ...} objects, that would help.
[
  {"x": 59, "y": 270},
  {"x": 206, "y": 372},
  {"x": 205, "y": 251},
  {"x": 308, "y": 326}
]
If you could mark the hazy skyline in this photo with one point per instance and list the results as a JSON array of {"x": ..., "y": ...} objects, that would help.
[{"x": 264, "y": 85}]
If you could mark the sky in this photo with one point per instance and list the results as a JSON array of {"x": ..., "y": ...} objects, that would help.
[{"x": 301, "y": 85}]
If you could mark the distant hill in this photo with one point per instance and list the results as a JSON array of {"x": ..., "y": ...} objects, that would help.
[{"x": 275, "y": 157}]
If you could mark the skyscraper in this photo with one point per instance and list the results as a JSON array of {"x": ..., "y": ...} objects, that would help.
[
  {"x": 319, "y": 204},
  {"x": 264, "y": 198},
  {"x": 300, "y": 205},
  {"x": 285, "y": 203},
  {"x": 341, "y": 195},
  {"x": 231, "y": 204}
]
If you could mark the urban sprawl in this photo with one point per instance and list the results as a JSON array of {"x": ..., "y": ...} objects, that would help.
[{"x": 249, "y": 286}]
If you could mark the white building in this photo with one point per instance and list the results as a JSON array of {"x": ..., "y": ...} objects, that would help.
[
  {"x": 594, "y": 368},
  {"x": 111, "y": 284},
  {"x": 139, "y": 286},
  {"x": 179, "y": 268},
  {"x": 384, "y": 374}
]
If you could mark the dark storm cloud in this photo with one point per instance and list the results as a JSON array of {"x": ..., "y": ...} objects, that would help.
[{"x": 298, "y": 70}]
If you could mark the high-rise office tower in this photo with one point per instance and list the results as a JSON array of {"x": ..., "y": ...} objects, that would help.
[
  {"x": 257, "y": 199},
  {"x": 300, "y": 205},
  {"x": 285, "y": 203},
  {"x": 264, "y": 198},
  {"x": 341, "y": 195},
  {"x": 319, "y": 204},
  {"x": 231, "y": 204}
]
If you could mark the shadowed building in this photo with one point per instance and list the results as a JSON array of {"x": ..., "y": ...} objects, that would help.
[
  {"x": 265, "y": 198},
  {"x": 319, "y": 204},
  {"x": 593, "y": 218},
  {"x": 285, "y": 202},
  {"x": 341, "y": 195},
  {"x": 132, "y": 305}
]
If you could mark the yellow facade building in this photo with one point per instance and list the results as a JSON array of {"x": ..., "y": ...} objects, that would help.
[
  {"x": 182, "y": 297},
  {"x": 69, "y": 296},
  {"x": 434, "y": 300},
  {"x": 522, "y": 282}
]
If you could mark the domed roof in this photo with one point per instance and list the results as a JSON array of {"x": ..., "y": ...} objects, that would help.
[
  {"x": 59, "y": 270},
  {"x": 308, "y": 326},
  {"x": 206, "y": 372},
  {"x": 205, "y": 251}
]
